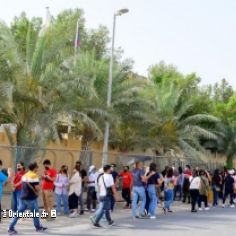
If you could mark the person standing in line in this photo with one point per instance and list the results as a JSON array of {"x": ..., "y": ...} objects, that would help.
[
  {"x": 179, "y": 184},
  {"x": 126, "y": 186},
  {"x": 3, "y": 179},
  {"x": 115, "y": 176},
  {"x": 29, "y": 198},
  {"x": 168, "y": 190},
  {"x": 186, "y": 183},
  {"x": 216, "y": 186},
  {"x": 61, "y": 190},
  {"x": 83, "y": 175},
  {"x": 17, "y": 185},
  {"x": 228, "y": 189},
  {"x": 152, "y": 183},
  {"x": 195, "y": 182},
  {"x": 203, "y": 191},
  {"x": 91, "y": 194},
  {"x": 48, "y": 178},
  {"x": 75, "y": 188},
  {"x": 106, "y": 189},
  {"x": 138, "y": 191}
]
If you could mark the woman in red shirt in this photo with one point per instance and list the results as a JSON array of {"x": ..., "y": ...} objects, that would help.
[{"x": 17, "y": 185}]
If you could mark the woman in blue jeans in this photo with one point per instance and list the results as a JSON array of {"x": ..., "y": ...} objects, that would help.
[
  {"x": 168, "y": 190},
  {"x": 61, "y": 189},
  {"x": 152, "y": 183}
]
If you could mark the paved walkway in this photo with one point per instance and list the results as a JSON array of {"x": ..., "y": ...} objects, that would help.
[{"x": 216, "y": 222}]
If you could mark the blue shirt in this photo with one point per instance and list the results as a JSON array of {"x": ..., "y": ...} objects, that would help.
[
  {"x": 153, "y": 179},
  {"x": 137, "y": 180},
  {"x": 3, "y": 179}
]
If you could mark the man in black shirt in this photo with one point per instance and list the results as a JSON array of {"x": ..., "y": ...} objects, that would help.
[{"x": 83, "y": 174}]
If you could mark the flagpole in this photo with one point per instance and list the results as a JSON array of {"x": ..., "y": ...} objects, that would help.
[{"x": 76, "y": 40}]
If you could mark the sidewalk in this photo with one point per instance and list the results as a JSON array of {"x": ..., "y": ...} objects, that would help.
[{"x": 217, "y": 222}]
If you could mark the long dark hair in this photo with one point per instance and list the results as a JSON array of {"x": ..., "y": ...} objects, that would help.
[
  {"x": 63, "y": 170},
  {"x": 153, "y": 167},
  {"x": 170, "y": 173}
]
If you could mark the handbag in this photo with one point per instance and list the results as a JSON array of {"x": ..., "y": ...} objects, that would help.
[{"x": 108, "y": 189}]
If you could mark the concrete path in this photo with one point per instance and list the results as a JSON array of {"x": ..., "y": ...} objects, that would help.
[{"x": 216, "y": 222}]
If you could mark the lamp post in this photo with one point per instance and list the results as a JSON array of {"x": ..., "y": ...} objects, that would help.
[{"x": 109, "y": 91}]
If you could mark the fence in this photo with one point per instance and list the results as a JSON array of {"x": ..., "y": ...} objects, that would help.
[{"x": 59, "y": 156}]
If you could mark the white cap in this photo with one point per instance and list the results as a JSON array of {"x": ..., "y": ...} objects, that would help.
[{"x": 92, "y": 168}]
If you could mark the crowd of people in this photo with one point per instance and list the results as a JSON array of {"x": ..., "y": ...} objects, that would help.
[{"x": 142, "y": 189}]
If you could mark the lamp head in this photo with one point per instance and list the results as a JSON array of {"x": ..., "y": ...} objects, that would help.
[{"x": 122, "y": 11}]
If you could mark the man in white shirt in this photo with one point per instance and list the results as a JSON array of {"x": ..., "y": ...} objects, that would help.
[
  {"x": 91, "y": 194},
  {"x": 106, "y": 189}
]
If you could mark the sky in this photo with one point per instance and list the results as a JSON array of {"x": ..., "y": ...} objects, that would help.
[{"x": 194, "y": 35}]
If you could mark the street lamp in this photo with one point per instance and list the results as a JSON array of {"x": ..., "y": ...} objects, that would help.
[{"x": 109, "y": 92}]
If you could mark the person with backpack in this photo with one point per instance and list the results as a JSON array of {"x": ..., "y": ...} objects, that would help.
[
  {"x": 107, "y": 190},
  {"x": 203, "y": 191},
  {"x": 29, "y": 199}
]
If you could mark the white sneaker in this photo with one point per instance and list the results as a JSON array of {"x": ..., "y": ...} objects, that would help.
[
  {"x": 153, "y": 217},
  {"x": 232, "y": 206},
  {"x": 200, "y": 209},
  {"x": 223, "y": 205},
  {"x": 207, "y": 208},
  {"x": 73, "y": 215},
  {"x": 93, "y": 210}
]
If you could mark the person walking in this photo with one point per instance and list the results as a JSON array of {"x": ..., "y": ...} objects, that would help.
[
  {"x": 152, "y": 183},
  {"x": 17, "y": 185},
  {"x": 203, "y": 190},
  {"x": 75, "y": 188},
  {"x": 126, "y": 186},
  {"x": 29, "y": 199},
  {"x": 107, "y": 190},
  {"x": 186, "y": 183},
  {"x": 91, "y": 192},
  {"x": 195, "y": 182},
  {"x": 61, "y": 190},
  {"x": 48, "y": 178},
  {"x": 115, "y": 176},
  {"x": 216, "y": 186},
  {"x": 228, "y": 189},
  {"x": 168, "y": 190}
]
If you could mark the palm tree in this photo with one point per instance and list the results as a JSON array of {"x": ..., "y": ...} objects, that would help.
[{"x": 170, "y": 126}]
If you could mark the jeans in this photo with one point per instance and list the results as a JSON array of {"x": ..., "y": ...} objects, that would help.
[
  {"x": 215, "y": 196},
  {"x": 138, "y": 193},
  {"x": 178, "y": 189},
  {"x": 153, "y": 199},
  {"x": 104, "y": 208},
  {"x": 16, "y": 199},
  {"x": 91, "y": 198},
  {"x": 169, "y": 196},
  {"x": 32, "y": 205},
  {"x": 194, "y": 193},
  {"x": 126, "y": 196},
  {"x": 62, "y": 198}
]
